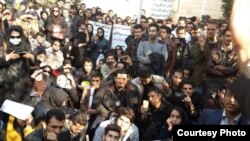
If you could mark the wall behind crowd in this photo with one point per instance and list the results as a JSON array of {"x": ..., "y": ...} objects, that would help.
[{"x": 180, "y": 7}]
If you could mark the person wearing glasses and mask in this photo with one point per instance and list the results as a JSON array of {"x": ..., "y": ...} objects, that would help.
[{"x": 14, "y": 66}]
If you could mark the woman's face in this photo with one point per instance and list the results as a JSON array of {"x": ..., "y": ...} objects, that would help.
[
  {"x": 99, "y": 33},
  {"x": 90, "y": 29},
  {"x": 44, "y": 16},
  {"x": 93, "y": 10},
  {"x": 118, "y": 50},
  {"x": 55, "y": 11},
  {"x": 175, "y": 117}
]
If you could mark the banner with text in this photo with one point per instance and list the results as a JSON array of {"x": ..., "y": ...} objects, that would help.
[
  {"x": 161, "y": 9},
  {"x": 120, "y": 33},
  {"x": 106, "y": 28}
]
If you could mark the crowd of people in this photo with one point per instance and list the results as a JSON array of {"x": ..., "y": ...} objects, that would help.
[{"x": 171, "y": 73}]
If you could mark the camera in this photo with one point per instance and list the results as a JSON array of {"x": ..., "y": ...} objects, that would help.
[
  {"x": 21, "y": 53},
  {"x": 125, "y": 58},
  {"x": 180, "y": 95}
]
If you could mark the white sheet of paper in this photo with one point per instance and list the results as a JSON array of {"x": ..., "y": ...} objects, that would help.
[{"x": 17, "y": 110}]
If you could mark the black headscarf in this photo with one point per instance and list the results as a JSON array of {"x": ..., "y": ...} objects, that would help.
[{"x": 23, "y": 46}]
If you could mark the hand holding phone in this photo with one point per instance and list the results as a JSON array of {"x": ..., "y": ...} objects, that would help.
[{"x": 145, "y": 103}]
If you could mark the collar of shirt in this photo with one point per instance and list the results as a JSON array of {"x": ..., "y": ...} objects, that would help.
[
  {"x": 226, "y": 50},
  {"x": 224, "y": 119}
]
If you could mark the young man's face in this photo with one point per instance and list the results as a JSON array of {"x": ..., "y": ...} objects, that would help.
[
  {"x": 123, "y": 122},
  {"x": 164, "y": 34},
  {"x": 211, "y": 30},
  {"x": 146, "y": 80},
  {"x": 231, "y": 105},
  {"x": 60, "y": 3},
  {"x": 153, "y": 33},
  {"x": 188, "y": 89},
  {"x": 154, "y": 98},
  {"x": 88, "y": 66},
  {"x": 227, "y": 39},
  {"x": 138, "y": 33},
  {"x": 111, "y": 136},
  {"x": 96, "y": 82},
  {"x": 177, "y": 78},
  {"x": 181, "y": 33},
  {"x": 55, "y": 126},
  {"x": 121, "y": 80},
  {"x": 40, "y": 39},
  {"x": 76, "y": 128}
]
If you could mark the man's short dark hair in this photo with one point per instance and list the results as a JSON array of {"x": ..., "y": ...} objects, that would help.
[
  {"x": 138, "y": 26},
  {"x": 154, "y": 25},
  {"x": 79, "y": 117},
  {"x": 187, "y": 81},
  {"x": 40, "y": 34},
  {"x": 96, "y": 74},
  {"x": 89, "y": 60},
  {"x": 145, "y": 73},
  {"x": 127, "y": 112},
  {"x": 56, "y": 113},
  {"x": 112, "y": 127},
  {"x": 121, "y": 71},
  {"x": 156, "y": 90},
  {"x": 110, "y": 53},
  {"x": 179, "y": 28},
  {"x": 168, "y": 29}
]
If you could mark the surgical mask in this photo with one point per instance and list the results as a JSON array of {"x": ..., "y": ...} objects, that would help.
[
  {"x": 109, "y": 63},
  {"x": 15, "y": 41}
]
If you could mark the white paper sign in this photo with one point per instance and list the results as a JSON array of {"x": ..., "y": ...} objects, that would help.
[
  {"x": 120, "y": 33},
  {"x": 161, "y": 9},
  {"x": 17, "y": 110},
  {"x": 106, "y": 28}
]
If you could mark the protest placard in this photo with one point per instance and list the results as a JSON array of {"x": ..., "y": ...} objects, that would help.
[
  {"x": 120, "y": 33},
  {"x": 16, "y": 109},
  {"x": 161, "y": 9}
]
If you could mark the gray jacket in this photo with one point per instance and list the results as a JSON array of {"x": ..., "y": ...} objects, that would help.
[{"x": 131, "y": 135}]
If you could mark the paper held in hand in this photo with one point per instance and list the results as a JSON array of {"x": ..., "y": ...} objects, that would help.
[{"x": 17, "y": 110}]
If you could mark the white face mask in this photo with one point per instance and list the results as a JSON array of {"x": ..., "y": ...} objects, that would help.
[{"x": 15, "y": 41}]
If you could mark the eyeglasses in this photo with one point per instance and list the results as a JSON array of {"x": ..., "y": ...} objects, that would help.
[
  {"x": 55, "y": 10},
  {"x": 15, "y": 36}
]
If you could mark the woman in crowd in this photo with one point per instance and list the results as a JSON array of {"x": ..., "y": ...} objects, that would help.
[
  {"x": 177, "y": 117},
  {"x": 14, "y": 68},
  {"x": 55, "y": 24}
]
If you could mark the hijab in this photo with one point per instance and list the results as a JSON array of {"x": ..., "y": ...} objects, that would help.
[{"x": 23, "y": 46}]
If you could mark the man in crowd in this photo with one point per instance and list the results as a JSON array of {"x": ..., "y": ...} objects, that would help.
[{"x": 53, "y": 128}]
